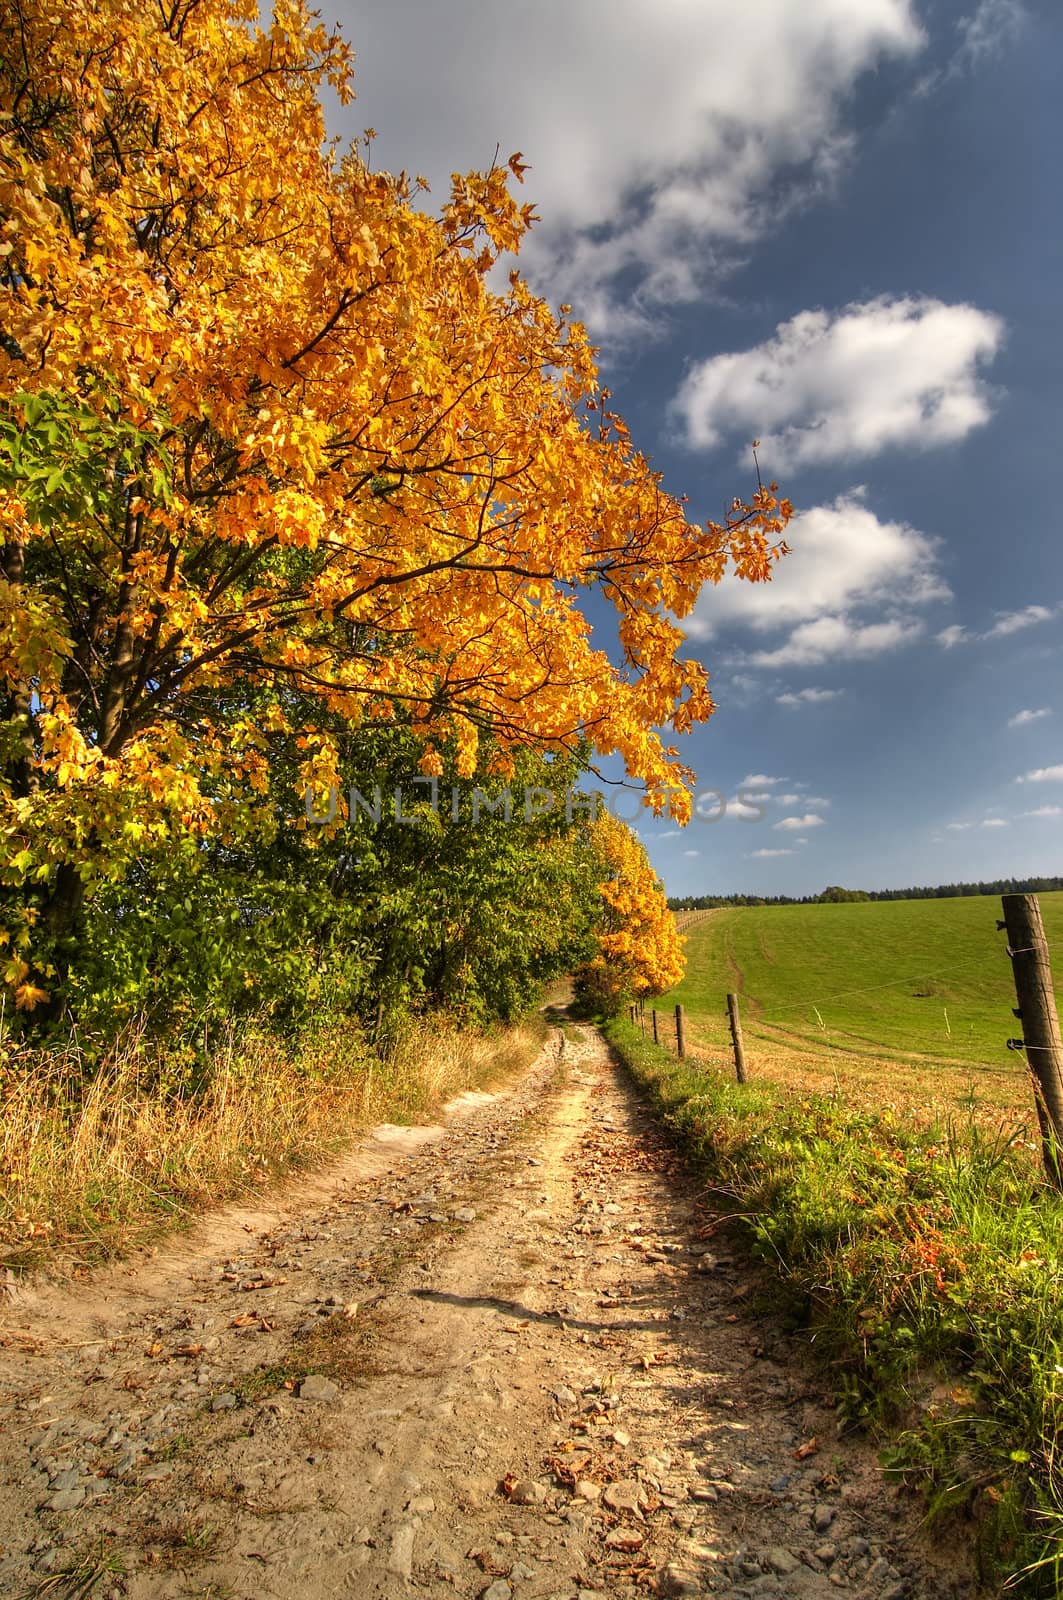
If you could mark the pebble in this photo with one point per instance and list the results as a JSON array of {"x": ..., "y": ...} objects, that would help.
[
  {"x": 584, "y": 1489},
  {"x": 223, "y": 1402},
  {"x": 499, "y": 1590},
  {"x": 625, "y": 1495},
  {"x": 823, "y": 1518},
  {"x": 400, "y": 1556},
  {"x": 678, "y": 1581},
  {"x": 526, "y": 1492},
  {"x": 781, "y": 1561},
  {"x": 464, "y": 1214},
  {"x": 319, "y": 1389},
  {"x": 65, "y": 1500}
]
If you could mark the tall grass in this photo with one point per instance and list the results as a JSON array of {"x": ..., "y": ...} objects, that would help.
[
  {"x": 929, "y": 1260},
  {"x": 94, "y": 1157}
]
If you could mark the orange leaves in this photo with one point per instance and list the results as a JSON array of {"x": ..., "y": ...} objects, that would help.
[
  {"x": 291, "y": 444},
  {"x": 639, "y": 943}
]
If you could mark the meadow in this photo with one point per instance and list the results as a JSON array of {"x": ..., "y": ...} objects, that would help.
[{"x": 908, "y": 999}]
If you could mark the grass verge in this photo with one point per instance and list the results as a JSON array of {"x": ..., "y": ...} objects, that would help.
[
  {"x": 930, "y": 1262},
  {"x": 95, "y": 1158}
]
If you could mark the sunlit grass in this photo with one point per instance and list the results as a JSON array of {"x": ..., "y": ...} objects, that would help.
[{"x": 94, "y": 1157}]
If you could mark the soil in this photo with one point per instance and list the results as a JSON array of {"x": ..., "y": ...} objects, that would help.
[{"x": 511, "y": 1356}]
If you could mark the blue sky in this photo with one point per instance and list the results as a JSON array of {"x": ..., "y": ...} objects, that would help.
[{"x": 835, "y": 226}]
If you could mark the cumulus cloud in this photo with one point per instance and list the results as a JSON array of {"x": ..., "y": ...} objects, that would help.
[
  {"x": 834, "y": 637},
  {"x": 764, "y": 855},
  {"x": 659, "y": 138},
  {"x": 1021, "y": 718},
  {"x": 844, "y": 560},
  {"x": 796, "y": 824},
  {"x": 1042, "y": 775},
  {"x": 808, "y": 697},
  {"x": 1045, "y": 811},
  {"x": 994, "y": 822},
  {"x": 849, "y": 384},
  {"x": 759, "y": 780},
  {"x": 741, "y": 810}
]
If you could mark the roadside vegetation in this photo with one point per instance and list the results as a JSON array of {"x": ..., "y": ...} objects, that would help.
[{"x": 926, "y": 1260}]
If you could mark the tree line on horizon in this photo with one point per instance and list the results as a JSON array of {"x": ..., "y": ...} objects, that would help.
[{"x": 835, "y": 894}]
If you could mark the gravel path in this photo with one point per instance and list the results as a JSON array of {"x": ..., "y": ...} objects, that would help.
[{"x": 500, "y": 1358}]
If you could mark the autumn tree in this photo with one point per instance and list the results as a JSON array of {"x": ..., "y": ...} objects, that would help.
[
  {"x": 640, "y": 950},
  {"x": 270, "y": 441}
]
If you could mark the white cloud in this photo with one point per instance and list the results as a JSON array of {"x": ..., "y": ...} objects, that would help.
[
  {"x": 959, "y": 827},
  {"x": 1042, "y": 775},
  {"x": 1021, "y": 718},
  {"x": 659, "y": 137},
  {"x": 759, "y": 780},
  {"x": 833, "y": 637},
  {"x": 741, "y": 811},
  {"x": 850, "y": 384},
  {"x": 692, "y": 852},
  {"x": 764, "y": 855},
  {"x": 669, "y": 833},
  {"x": 1045, "y": 811},
  {"x": 816, "y": 800},
  {"x": 790, "y": 799},
  {"x": 843, "y": 560},
  {"x": 795, "y": 824},
  {"x": 1009, "y": 622},
  {"x": 994, "y": 822},
  {"x": 808, "y": 697}
]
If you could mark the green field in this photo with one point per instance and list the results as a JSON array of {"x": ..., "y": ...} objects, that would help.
[{"x": 923, "y": 983}]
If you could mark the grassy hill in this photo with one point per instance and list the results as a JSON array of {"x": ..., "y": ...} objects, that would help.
[{"x": 925, "y": 984}]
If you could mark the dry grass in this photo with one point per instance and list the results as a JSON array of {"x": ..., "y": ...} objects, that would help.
[
  {"x": 923, "y": 1092},
  {"x": 94, "y": 1158}
]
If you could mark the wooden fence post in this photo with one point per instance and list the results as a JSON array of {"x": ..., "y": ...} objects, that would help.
[
  {"x": 680, "y": 1037},
  {"x": 736, "y": 1037},
  {"x": 1037, "y": 1012},
  {"x": 654, "y": 1016}
]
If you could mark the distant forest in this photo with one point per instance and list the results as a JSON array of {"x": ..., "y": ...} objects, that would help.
[{"x": 941, "y": 891}]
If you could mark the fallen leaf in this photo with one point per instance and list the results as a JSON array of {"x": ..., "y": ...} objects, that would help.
[{"x": 809, "y": 1448}]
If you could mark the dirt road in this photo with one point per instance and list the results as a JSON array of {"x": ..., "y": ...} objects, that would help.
[{"x": 491, "y": 1358}]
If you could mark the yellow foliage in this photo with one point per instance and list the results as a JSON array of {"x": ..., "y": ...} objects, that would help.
[
  {"x": 640, "y": 947},
  {"x": 303, "y": 446}
]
